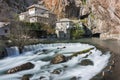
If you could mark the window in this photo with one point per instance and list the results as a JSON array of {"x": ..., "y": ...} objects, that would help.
[
  {"x": 22, "y": 17},
  {"x": 33, "y": 19},
  {"x": 6, "y": 31},
  {"x": 32, "y": 11}
]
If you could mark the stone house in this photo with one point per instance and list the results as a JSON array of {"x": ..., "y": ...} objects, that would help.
[
  {"x": 63, "y": 27},
  {"x": 4, "y": 29},
  {"x": 38, "y": 13}
]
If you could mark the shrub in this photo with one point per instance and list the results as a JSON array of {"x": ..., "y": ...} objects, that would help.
[{"x": 77, "y": 32}]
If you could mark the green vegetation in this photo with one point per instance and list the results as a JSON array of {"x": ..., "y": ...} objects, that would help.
[
  {"x": 85, "y": 21},
  {"x": 2, "y": 45},
  {"x": 24, "y": 33},
  {"x": 92, "y": 16},
  {"x": 84, "y": 2},
  {"x": 33, "y": 26},
  {"x": 81, "y": 52},
  {"x": 40, "y": 27},
  {"x": 77, "y": 32}
]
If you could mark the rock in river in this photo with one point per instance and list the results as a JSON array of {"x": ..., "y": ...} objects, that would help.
[
  {"x": 58, "y": 59},
  {"x": 25, "y": 77},
  {"x": 86, "y": 62},
  {"x": 57, "y": 71},
  {"x": 25, "y": 66}
]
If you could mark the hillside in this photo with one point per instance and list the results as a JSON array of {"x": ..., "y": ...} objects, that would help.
[{"x": 9, "y": 8}]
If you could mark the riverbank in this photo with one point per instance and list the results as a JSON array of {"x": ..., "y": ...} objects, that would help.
[{"x": 108, "y": 45}]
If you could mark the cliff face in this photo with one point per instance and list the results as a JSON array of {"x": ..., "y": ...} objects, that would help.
[
  {"x": 9, "y": 8},
  {"x": 105, "y": 18},
  {"x": 64, "y": 8}
]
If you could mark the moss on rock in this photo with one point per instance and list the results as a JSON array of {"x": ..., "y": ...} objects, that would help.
[{"x": 81, "y": 52}]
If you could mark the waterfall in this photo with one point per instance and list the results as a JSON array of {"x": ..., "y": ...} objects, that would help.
[
  {"x": 12, "y": 51},
  {"x": 32, "y": 47}
]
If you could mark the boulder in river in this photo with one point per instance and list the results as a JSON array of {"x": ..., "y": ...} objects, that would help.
[
  {"x": 22, "y": 67},
  {"x": 25, "y": 77},
  {"x": 86, "y": 62},
  {"x": 43, "y": 77},
  {"x": 59, "y": 59},
  {"x": 44, "y": 50},
  {"x": 61, "y": 47},
  {"x": 57, "y": 71},
  {"x": 75, "y": 78}
]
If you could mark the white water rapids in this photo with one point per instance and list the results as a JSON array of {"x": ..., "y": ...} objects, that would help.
[{"x": 44, "y": 68}]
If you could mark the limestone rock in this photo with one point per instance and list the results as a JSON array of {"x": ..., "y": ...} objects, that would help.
[
  {"x": 105, "y": 18},
  {"x": 43, "y": 77},
  {"x": 57, "y": 71},
  {"x": 22, "y": 67},
  {"x": 86, "y": 62},
  {"x": 64, "y": 8},
  {"x": 25, "y": 77},
  {"x": 58, "y": 59},
  {"x": 75, "y": 78}
]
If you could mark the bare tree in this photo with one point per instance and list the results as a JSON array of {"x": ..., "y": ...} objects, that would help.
[{"x": 19, "y": 34}]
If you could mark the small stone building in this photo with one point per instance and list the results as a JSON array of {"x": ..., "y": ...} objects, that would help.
[
  {"x": 63, "y": 27},
  {"x": 38, "y": 13},
  {"x": 4, "y": 28}
]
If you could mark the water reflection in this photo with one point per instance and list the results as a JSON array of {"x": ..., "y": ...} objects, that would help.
[{"x": 112, "y": 45}]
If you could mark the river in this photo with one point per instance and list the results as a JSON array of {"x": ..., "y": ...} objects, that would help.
[{"x": 42, "y": 61}]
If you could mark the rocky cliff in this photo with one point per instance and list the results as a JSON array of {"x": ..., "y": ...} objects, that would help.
[
  {"x": 64, "y": 8},
  {"x": 105, "y": 18}
]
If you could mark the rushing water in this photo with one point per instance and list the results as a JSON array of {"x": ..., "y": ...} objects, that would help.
[
  {"x": 13, "y": 51},
  {"x": 35, "y": 55}
]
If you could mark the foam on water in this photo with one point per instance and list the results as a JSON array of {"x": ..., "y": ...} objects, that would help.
[{"x": 44, "y": 68}]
